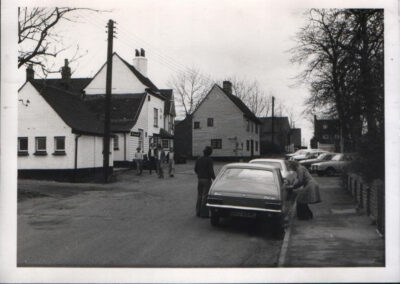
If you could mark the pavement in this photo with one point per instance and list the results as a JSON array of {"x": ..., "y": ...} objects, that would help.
[{"x": 338, "y": 236}]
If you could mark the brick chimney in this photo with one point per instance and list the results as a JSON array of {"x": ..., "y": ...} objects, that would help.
[
  {"x": 66, "y": 71},
  {"x": 30, "y": 73},
  {"x": 227, "y": 87},
  {"x": 140, "y": 62}
]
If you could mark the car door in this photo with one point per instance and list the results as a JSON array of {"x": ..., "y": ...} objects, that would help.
[{"x": 284, "y": 193}]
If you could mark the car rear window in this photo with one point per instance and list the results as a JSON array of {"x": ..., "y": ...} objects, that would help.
[
  {"x": 269, "y": 163},
  {"x": 252, "y": 175}
]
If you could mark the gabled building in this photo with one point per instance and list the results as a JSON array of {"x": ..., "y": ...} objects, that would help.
[
  {"x": 141, "y": 114},
  {"x": 223, "y": 122},
  {"x": 58, "y": 136}
]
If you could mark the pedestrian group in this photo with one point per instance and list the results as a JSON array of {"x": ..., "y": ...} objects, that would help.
[{"x": 155, "y": 160}]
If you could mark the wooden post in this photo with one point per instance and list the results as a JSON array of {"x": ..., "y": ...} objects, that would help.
[{"x": 106, "y": 140}]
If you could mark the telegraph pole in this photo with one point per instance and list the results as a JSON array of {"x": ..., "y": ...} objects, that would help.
[
  {"x": 272, "y": 120},
  {"x": 106, "y": 140}
]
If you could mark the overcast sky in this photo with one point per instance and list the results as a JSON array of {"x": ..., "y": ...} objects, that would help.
[{"x": 246, "y": 39}]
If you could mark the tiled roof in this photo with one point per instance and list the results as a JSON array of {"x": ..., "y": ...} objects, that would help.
[
  {"x": 71, "y": 109},
  {"x": 145, "y": 81},
  {"x": 241, "y": 105},
  {"x": 279, "y": 122},
  {"x": 125, "y": 109},
  {"x": 169, "y": 104},
  {"x": 74, "y": 85}
]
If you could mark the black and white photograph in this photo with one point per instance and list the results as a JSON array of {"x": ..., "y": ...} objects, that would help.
[{"x": 199, "y": 141}]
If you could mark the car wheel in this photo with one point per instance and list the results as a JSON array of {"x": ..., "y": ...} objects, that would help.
[
  {"x": 214, "y": 218},
  {"x": 330, "y": 172}
]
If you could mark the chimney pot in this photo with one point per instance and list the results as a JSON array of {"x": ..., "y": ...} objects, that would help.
[
  {"x": 227, "y": 87},
  {"x": 137, "y": 53},
  {"x": 66, "y": 73},
  {"x": 30, "y": 73},
  {"x": 142, "y": 52}
]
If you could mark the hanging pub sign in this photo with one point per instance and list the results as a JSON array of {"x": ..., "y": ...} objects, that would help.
[{"x": 135, "y": 133}]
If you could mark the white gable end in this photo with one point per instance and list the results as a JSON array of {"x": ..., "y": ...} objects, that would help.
[{"x": 123, "y": 80}]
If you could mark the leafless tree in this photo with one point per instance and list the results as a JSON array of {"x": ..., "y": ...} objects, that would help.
[
  {"x": 37, "y": 37},
  {"x": 190, "y": 88},
  {"x": 252, "y": 95}
]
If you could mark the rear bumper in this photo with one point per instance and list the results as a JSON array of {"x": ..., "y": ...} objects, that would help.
[{"x": 234, "y": 207}]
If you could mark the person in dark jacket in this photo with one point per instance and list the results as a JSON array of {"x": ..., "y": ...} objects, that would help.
[
  {"x": 308, "y": 194},
  {"x": 205, "y": 173}
]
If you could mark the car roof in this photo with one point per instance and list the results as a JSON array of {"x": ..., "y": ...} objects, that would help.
[
  {"x": 266, "y": 160},
  {"x": 250, "y": 166}
]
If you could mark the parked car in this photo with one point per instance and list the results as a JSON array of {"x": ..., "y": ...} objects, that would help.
[
  {"x": 336, "y": 165},
  {"x": 281, "y": 164},
  {"x": 307, "y": 154},
  {"x": 249, "y": 190},
  {"x": 321, "y": 158}
]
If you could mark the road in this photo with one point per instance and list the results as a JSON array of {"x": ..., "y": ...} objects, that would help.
[{"x": 133, "y": 222}]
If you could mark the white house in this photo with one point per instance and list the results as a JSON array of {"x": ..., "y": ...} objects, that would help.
[
  {"x": 224, "y": 122},
  {"x": 141, "y": 113},
  {"x": 58, "y": 136}
]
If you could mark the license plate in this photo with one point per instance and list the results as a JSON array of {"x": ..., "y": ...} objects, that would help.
[{"x": 243, "y": 214}]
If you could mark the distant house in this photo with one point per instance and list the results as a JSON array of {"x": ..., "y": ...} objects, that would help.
[
  {"x": 326, "y": 134},
  {"x": 183, "y": 139},
  {"x": 223, "y": 122},
  {"x": 295, "y": 138},
  {"x": 50, "y": 109},
  {"x": 59, "y": 137},
  {"x": 275, "y": 134},
  {"x": 278, "y": 136}
]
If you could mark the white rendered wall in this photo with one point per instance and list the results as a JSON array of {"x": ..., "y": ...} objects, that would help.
[
  {"x": 123, "y": 80},
  {"x": 229, "y": 125},
  {"x": 90, "y": 152},
  {"x": 38, "y": 119}
]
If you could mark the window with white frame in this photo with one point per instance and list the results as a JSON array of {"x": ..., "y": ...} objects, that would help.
[
  {"x": 210, "y": 122},
  {"x": 22, "y": 145},
  {"x": 165, "y": 143},
  {"x": 216, "y": 143},
  {"x": 116, "y": 142},
  {"x": 59, "y": 144},
  {"x": 40, "y": 145},
  {"x": 155, "y": 117}
]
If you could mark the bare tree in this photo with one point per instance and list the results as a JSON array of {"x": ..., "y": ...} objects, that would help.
[
  {"x": 190, "y": 88},
  {"x": 37, "y": 38},
  {"x": 252, "y": 95}
]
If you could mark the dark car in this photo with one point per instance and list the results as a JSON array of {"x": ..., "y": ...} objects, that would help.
[
  {"x": 321, "y": 158},
  {"x": 249, "y": 190}
]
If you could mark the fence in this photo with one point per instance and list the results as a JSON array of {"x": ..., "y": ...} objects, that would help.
[{"x": 369, "y": 197}]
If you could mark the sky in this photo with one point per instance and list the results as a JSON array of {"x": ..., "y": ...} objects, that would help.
[{"x": 244, "y": 39}]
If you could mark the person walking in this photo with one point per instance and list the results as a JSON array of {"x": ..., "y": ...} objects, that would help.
[
  {"x": 151, "y": 156},
  {"x": 308, "y": 194},
  {"x": 139, "y": 161},
  {"x": 171, "y": 162},
  {"x": 205, "y": 174},
  {"x": 160, "y": 158}
]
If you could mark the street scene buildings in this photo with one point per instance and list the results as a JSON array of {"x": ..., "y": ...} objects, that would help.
[{"x": 135, "y": 160}]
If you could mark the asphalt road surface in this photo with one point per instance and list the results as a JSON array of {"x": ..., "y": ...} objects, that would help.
[{"x": 133, "y": 222}]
